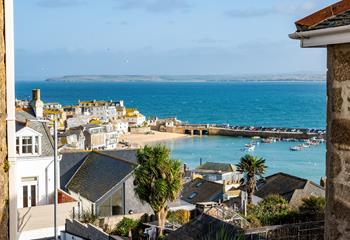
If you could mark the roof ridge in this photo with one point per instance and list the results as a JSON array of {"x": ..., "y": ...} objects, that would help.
[
  {"x": 286, "y": 174},
  {"x": 114, "y": 157}
]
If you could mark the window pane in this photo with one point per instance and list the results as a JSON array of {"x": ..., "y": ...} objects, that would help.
[
  {"x": 27, "y": 146},
  {"x": 17, "y": 145},
  {"x": 25, "y": 196},
  {"x": 36, "y": 149},
  {"x": 33, "y": 195}
]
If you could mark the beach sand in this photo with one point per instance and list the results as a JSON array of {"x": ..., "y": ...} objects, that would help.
[{"x": 136, "y": 140}]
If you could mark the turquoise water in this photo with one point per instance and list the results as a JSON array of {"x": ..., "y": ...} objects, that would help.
[
  {"x": 309, "y": 163},
  {"x": 285, "y": 104}
]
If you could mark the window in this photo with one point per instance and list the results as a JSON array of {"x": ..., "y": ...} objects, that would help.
[
  {"x": 192, "y": 195},
  {"x": 36, "y": 145},
  {"x": 27, "y": 145},
  {"x": 17, "y": 145}
]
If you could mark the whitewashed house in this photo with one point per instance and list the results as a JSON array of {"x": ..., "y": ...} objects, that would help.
[
  {"x": 121, "y": 126},
  {"x": 35, "y": 154}
]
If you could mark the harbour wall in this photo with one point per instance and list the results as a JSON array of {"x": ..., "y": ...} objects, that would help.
[{"x": 217, "y": 131}]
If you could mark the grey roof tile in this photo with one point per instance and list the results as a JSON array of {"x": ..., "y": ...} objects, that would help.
[
  {"x": 98, "y": 174},
  {"x": 205, "y": 191}
]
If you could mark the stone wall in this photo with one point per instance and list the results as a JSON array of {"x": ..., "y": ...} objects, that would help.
[
  {"x": 86, "y": 231},
  {"x": 3, "y": 140},
  {"x": 338, "y": 144}
]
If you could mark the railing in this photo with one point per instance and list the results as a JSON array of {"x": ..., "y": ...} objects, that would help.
[{"x": 298, "y": 231}]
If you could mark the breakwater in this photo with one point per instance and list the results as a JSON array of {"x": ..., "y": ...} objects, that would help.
[{"x": 244, "y": 131}]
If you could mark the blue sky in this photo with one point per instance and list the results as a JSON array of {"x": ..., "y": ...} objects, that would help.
[{"x": 61, "y": 37}]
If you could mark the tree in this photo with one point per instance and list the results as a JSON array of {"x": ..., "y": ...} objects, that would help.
[
  {"x": 252, "y": 167},
  {"x": 312, "y": 208},
  {"x": 158, "y": 180}
]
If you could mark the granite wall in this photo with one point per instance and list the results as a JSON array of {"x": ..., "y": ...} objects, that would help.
[{"x": 338, "y": 144}]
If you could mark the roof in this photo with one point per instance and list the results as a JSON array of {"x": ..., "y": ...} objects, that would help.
[
  {"x": 285, "y": 185},
  {"x": 47, "y": 148},
  {"x": 335, "y": 15},
  {"x": 92, "y": 174},
  {"x": 214, "y": 166},
  {"x": 201, "y": 191},
  {"x": 203, "y": 227}
]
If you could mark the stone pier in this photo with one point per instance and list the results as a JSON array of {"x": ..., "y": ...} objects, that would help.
[{"x": 338, "y": 144}]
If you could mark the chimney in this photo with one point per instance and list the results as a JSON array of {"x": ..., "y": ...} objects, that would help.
[
  {"x": 36, "y": 103},
  {"x": 35, "y": 94}
]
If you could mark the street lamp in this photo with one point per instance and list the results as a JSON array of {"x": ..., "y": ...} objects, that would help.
[{"x": 54, "y": 169}]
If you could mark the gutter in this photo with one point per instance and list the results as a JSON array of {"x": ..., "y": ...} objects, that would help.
[
  {"x": 319, "y": 32},
  {"x": 11, "y": 116}
]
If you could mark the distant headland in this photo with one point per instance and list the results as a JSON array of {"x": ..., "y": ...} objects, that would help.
[{"x": 188, "y": 78}]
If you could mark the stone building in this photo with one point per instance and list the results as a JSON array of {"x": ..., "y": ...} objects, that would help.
[{"x": 330, "y": 28}]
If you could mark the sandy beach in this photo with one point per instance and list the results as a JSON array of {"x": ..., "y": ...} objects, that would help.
[{"x": 136, "y": 140}]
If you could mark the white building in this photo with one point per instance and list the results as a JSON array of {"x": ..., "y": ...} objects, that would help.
[
  {"x": 34, "y": 150},
  {"x": 104, "y": 110},
  {"x": 121, "y": 126},
  {"x": 99, "y": 136}
]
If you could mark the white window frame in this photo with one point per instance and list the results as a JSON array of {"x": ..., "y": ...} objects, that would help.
[{"x": 36, "y": 140}]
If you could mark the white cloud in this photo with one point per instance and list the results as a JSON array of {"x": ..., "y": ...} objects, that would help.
[{"x": 154, "y": 5}]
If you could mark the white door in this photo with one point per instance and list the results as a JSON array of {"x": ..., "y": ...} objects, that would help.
[{"x": 29, "y": 191}]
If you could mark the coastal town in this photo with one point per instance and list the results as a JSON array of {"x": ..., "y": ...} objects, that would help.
[
  {"x": 267, "y": 158},
  {"x": 99, "y": 145},
  {"x": 108, "y": 125}
]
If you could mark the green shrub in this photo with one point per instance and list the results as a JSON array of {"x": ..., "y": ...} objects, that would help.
[
  {"x": 179, "y": 216},
  {"x": 274, "y": 209},
  {"x": 312, "y": 209},
  {"x": 123, "y": 227}
]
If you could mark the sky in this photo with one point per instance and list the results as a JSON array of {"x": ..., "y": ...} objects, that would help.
[{"x": 239, "y": 37}]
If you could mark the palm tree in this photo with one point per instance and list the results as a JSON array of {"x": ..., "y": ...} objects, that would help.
[
  {"x": 158, "y": 180},
  {"x": 252, "y": 167}
]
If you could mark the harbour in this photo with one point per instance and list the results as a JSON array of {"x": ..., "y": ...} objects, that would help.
[{"x": 244, "y": 131}]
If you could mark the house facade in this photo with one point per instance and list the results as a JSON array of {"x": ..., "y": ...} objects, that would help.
[
  {"x": 34, "y": 163},
  {"x": 99, "y": 136},
  {"x": 219, "y": 173}
]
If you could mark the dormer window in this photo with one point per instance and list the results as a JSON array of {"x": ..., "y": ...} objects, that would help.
[{"x": 28, "y": 142}]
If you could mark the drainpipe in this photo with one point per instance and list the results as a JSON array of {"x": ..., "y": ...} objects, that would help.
[{"x": 11, "y": 116}]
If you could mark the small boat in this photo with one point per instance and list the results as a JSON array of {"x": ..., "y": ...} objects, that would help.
[
  {"x": 268, "y": 140},
  {"x": 249, "y": 147},
  {"x": 255, "y": 137},
  {"x": 296, "y": 148}
]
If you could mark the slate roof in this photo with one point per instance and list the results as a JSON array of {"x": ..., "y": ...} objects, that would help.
[
  {"x": 69, "y": 164},
  {"x": 205, "y": 191},
  {"x": 47, "y": 147},
  {"x": 203, "y": 227},
  {"x": 216, "y": 167},
  {"x": 335, "y": 15},
  {"x": 92, "y": 174},
  {"x": 288, "y": 186}
]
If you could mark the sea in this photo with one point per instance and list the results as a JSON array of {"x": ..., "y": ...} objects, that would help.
[{"x": 248, "y": 103}]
